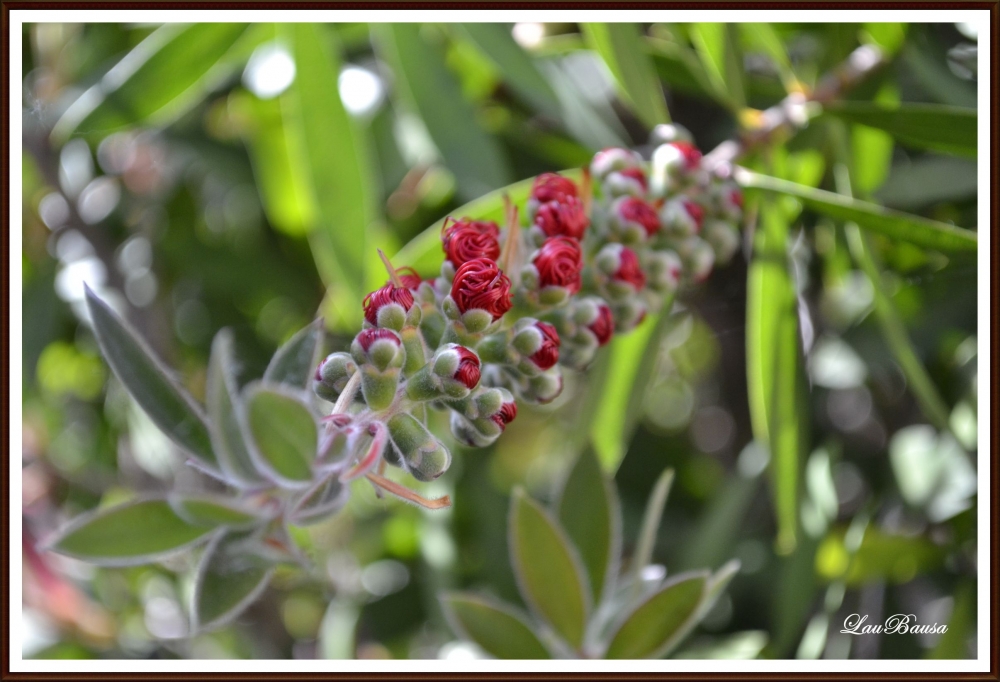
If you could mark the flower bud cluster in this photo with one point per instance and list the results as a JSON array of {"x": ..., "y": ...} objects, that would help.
[{"x": 514, "y": 305}]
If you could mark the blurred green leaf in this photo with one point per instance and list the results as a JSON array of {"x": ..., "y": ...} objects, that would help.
[
  {"x": 590, "y": 513},
  {"x": 295, "y": 362},
  {"x": 129, "y": 534},
  {"x": 621, "y": 47},
  {"x": 168, "y": 405},
  {"x": 549, "y": 571},
  {"x": 226, "y": 582},
  {"x": 881, "y": 557},
  {"x": 680, "y": 67},
  {"x": 213, "y": 510},
  {"x": 283, "y": 430},
  {"x": 871, "y": 151},
  {"x": 773, "y": 367},
  {"x": 498, "y": 628},
  {"x": 920, "y": 231},
  {"x": 651, "y": 524},
  {"x": 424, "y": 253},
  {"x": 947, "y": 129},
  {"x": 324, "y": 498},
  {"x": 516, "y": 65},
  {"x": 450, "y": 119},
  {"x": 929, "y": 180},
  {"x": 652, "y": 627},
  {"x": 339, "y": 165},
  {"x": 226, "y": 414},
  {"x": 718, "y": 49},
  {"x": 160, "y": 79},
  {"x": 718, "y": 528},
  {"x": 738, "y": 646},
  {"x": 887, "y": 35},
  {"x": 764, "y": 38},
  {"x": 954, "y": 641},
  {"x": 934, "y": 75}
]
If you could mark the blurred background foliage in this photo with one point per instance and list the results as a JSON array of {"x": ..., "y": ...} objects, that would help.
[{"x": 207, "y": 176}]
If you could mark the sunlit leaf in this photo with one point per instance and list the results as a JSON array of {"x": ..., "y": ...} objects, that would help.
[
  {"x": 339, "y": 166},
  {"x": 764, "y": 38},
  {"x": 882, "y": 556},
  {"x": 652, "y": 627},
  {"x": 160, "y": 79},
  {"x": 450, "y": 119},
  {"x": 152, "y": 385},
  {"x": 130, "y": 534},
  {"x": 227, "y": 581},
  {"x": 589, "y": 512},
  {"x": 498, "y": 628},
  {"x": 651, "y": 523},
  {"x": 920, "y": 231},
  {"x": 621, "y": 47},
  {"x": 294, "y": 364},
  {"x": 284, "y": 432},
  {"x": 549, "y": 571},
  {"x": 738, "y": 646},
  {"x": 941, "y": 128},
  {"x": 717, "y": 47}
]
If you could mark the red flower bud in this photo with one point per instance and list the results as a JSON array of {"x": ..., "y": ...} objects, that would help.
[
  {"x": 696, "y": 212},
  {"x": 736, "y": 198},
  {"x": 467, "y": 239},
  {"x": 635, "y": 210},
  {"x": 479, "y": 283},
  {"x": 505, "y": 415},
  {"x": 565, "y": 217},
  {"x": 468, "y": 368},
  {"x": 384, "y": 296},
  {"x": 548, "y": 353},
  {"x": 409, "y": 277},
  {"x": 559, "y": 262},
  {"x": 629, "y": 269},
  {"x": 604, "y": 326},
  {"x": 552, "y": 187},
  {"x": 637, "y": 175},
  {"x": 691, "y": 154},
  {"x": 367, "y": 337}
]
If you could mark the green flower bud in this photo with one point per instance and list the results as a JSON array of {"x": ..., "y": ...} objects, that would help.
[
  {"x": 477, "y": 320},
  {"x": 332, "y": 375},
  {"x": 379, "y": 388},
  {"x": 452, "y": 373},
  {"x": 416, "y": 351},
  {"x": 423, "y": 455},
  {"x": 546, "y": 387},
  {"x": 382, "y": 348}
]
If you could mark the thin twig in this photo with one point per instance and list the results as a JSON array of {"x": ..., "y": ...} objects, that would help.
[
  {"x": 393, "y": 275},
  {"x": 405, "y": 493},
  {"x": 347, "y": 395}
]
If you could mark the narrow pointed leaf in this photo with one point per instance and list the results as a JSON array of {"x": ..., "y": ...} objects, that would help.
[
  {"x": 621, "y": 47},
  {"x": 227, "y": 582},
  {"x": 283, "y": 430},
  {"x": 451, "y": 121},
  {"x": 941, "y": 128},
  {"x": 227, "y": 417},
  {"x": 653, "y": 626},
  {"x": 651, "y": 523},
  {"x": 715, "y": 47},
  {"x": 516, "y": 65},
  {"x": 773, "y": 365},
  {"x": 498, "y": 628},
  {"x": 168, "y": 405},
  {"x": 324, "y": 498},
  {"x": 919, "y": 231},
  {"x": 424, "y": 253},
  {"x": 214, "y": 510},
  {"x": 339, "y": 167},
  {"x": 160, "y": 79},
  {"x": 591, "y": 515},
  {"x": 549, "y": 572},
  {"x": 130, "y": 534},
  {"x": 294, "y": 364}
]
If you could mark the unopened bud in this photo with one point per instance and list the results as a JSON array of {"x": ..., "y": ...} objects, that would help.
[
  {"x": 332, "y": 375},
  {"x": 682, "y": 217},
  {"x": 379, "y": 347},
  {"x": 420, "y": 452},
  {"x": 626, "y": 182},
  {"x": 633, "y": 221},
  {"x": 613, "y": 159},
  {"x": 538, "y": 342},
  {"x": 624, "y": 275},
  {"x": 452, "y": 372},
  {"x": 663, "y": 270},
  {"x": 390, "y": 307},
  {"x": 723, "y": 238},
  {"x": 698, "y": 256}
]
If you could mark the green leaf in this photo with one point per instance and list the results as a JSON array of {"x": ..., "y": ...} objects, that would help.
[
  {"x": 325, "y": 497},
  {"x": 739, "y": 646},
  {"x": 339, "y": 166},
  {"x": 941, "y": 128},
  {"x": 227, "y": 416},
  {"x": 651, "y": 524},
  {"x": 161, "y": 78},
  {"x": 882, "y": 556},
  {"x": 591, "y": 515},
  {"x": 954, "y": 642},
  {"x": 424, "y": 253},
  {"x": 764, "y": 38},
  {"x": 227, "y": 581},
  {"x": 927, "y": 181},
  {"x": 621, "y": 47},
  {"x": 773, "y": 367},
  {"x": 168, "y": 405},
  {"x": 632, "y": 359},
  {"x": 716, "y": 46},
  {"x": 680, "y": 67},
  {"x": 214, "y": 510},
  {"x": 652, "y": 627},
  {"x": 498, "y": 628},
  {"x": 871, "y": 151},
  {"x": 718, "y": 528},
  {"x": 549, "y": 571},
  {"x": 474, "y": 156},
  {"x": 284, "y": 432},
  {"x": 134, "y": 533},
  {"x": 919, "y": 231},
  {"x": 294, "y": 364},
  {"x": 518, "y": 68}
]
